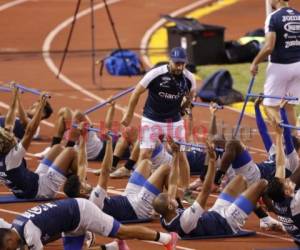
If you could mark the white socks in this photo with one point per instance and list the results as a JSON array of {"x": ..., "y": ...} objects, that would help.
[
  {"x": 164, "y": 238},
  {"x": 112, "y": 246}
]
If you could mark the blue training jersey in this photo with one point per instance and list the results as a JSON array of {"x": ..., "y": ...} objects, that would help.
[
  {"x": 51, "y": 218},
  {"x": 19, "y": 129},
  {"x": 289, "y": 214},
  {"x": 285, "y": 22},
  {"x": 20, "y": 180},
  {"x": 210, "y": 223}
]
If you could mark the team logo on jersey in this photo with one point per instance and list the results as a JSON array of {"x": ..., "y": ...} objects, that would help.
[
  {"x": 290, "y": 12},
  {"x": 169, "y": 96},
  {"x": 166, "y": 78},
  {"x": 164, "y": 84},
  {"x": 293, "y": 27},
  {"x": 290, "y": 18}
]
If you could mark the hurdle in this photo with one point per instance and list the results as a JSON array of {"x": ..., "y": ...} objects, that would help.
[
  {"x": 115, "y": 97},
  {"x": 289, "y": 98},
  {"x": 205, "y": 105},
  {"x": 97, "y": 130},
  {"x": 30, "y": 90},
  {"x": 244, "y": 106}
]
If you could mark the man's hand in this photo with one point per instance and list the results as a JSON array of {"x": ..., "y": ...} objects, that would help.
[
  {"x": 254, "y": 69},
  {"x": 258, "y": 100},
  {"x": 126, "y": 120},
  {"x": 210, "y": 150},
  {"x": 186, "y": 105},
  {"x": 174, "y": 146},
  {"x": 213, "y": 108},
  {"x": 43, "y": 98},
  {"x": 283, "y": 102},
  {"x": 74, "y": 134},
  {"x": 276, "y": 126}
]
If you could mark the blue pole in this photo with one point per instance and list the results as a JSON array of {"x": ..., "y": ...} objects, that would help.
[
  {"x": 29, "y": 90},
  {"x": 94, "y": 129},
  {"x": 244, "y": 107},
  {"x": 203, "y": 104},
  {"x": 200, "y": 146},
  {"x": 102, "y": 104},
  {"x": 289, "y": 126},
  {"x": 289, "y": 98}
]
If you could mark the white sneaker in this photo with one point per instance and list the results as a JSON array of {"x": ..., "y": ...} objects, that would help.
[
  {"x": 270, "y": 224},
  {"x": 97, "y": 172},
  {"x": 120, "y": 173},
  {"x": 42, "y": 154}
]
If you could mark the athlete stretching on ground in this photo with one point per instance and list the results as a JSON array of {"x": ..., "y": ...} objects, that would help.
[
  {"x": 46, "y": 222},
  {"x": 281, "y": 196},
  {"x": 51, "y": 172},
  {"x": 226, "y": 217}
]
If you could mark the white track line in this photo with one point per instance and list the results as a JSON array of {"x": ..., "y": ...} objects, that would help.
[
  {"x": 146, "y": 38},
  {"x": 9, "y": 211},
  {"x": 11, "y": 4},
  {"x": 50, "y": 63}
]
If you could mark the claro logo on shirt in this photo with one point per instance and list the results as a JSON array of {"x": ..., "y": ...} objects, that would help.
[
  {"x": 293, "y": 27},
  {"x": 168, "y": 96}
]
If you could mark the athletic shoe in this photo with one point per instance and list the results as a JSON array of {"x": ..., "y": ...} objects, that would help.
[
  {"x": 172, "y": 244},
  {"x": 268, "y": 223},
  {"x": 42, "y": 154},
  {"x": 120, "y": 173},
  {"x": 97, "y": 172},
  {"x": 123, "y": 245},
  {"x": 89, "y": 239}
]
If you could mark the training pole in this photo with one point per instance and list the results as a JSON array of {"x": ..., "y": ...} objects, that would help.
[{"x": 244, "y": 107}]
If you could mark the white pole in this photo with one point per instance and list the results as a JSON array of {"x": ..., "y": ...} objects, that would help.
[{"x": 268, "y": 8}]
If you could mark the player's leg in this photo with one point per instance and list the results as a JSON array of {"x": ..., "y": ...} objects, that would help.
[
  {"x": 48, "y": 160},
  {"x": 244, "y": 204},
  {"x": 293, "y": 89},
  {"x": 231, "y": 191},
  {"x": 94, "y": 220},
  {"x": 129, "y": 137},
  {"x": 149, "y": 133},
  {"x": 125, "y": 170},
  {"x": 275, "y": 85},
  {"x": 61, "y": 125},
  {"x": 138, "y": 179}
]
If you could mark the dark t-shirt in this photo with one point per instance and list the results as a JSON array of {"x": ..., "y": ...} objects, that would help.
[
  {"x": 285, "y": 22},
  {"x": 166, "y": 92}
]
